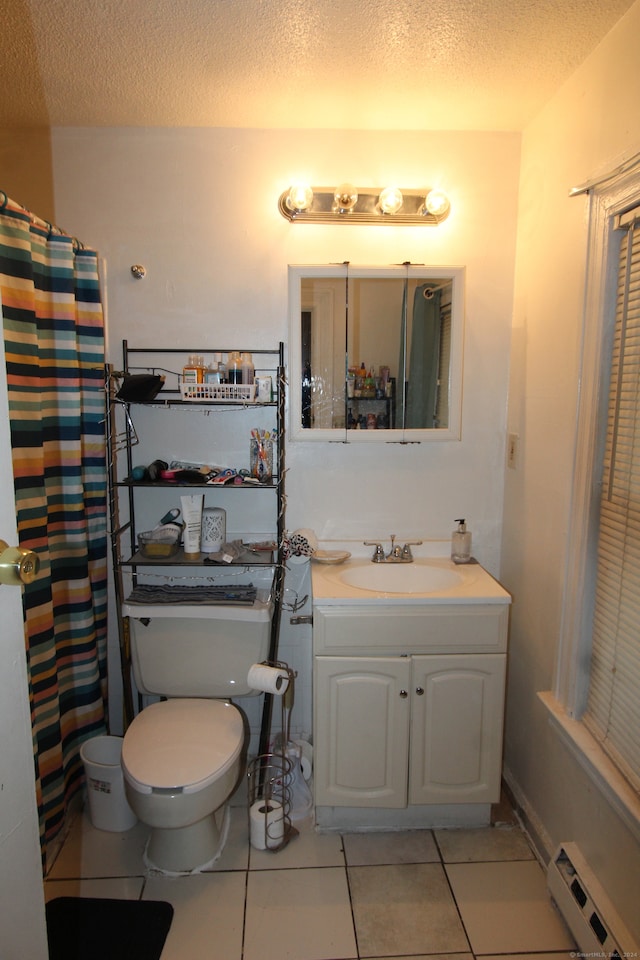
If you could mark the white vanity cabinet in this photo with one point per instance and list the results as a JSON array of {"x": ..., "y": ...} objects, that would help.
[{"x": 409, "y": 704}]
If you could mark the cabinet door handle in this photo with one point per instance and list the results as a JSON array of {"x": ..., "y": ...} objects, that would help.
[
  {"x": 403, "y": 694},
  {"x": 420, "y": 691}
]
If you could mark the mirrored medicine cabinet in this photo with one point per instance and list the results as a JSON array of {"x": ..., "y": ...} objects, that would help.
[{"x": 375, "y": 353}]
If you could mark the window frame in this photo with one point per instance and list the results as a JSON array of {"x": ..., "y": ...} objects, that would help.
[
  {"x": 612, "y": 701},
  {"x": 571, "y": 681},
  {"x": 568, "y": 700}
]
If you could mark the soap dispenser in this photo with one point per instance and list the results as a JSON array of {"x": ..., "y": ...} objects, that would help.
[{"x": 461, "y": 543}]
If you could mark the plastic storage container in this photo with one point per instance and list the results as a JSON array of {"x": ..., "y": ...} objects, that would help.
[
  {"x": 160, "y": 544},
  {"x": 108, "y": 805}
]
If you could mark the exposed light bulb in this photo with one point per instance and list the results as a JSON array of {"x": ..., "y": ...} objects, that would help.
[
  {"x": 390, "y": 200},
  {"x": 300, "y": 197},
  {"x": 345, "y": 197},
  {"x": 436, "y": 203}
]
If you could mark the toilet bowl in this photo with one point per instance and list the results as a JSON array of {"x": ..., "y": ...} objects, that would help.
[
  {"x": 182, "y": 756},
  {"x": 181, "y": 760}
]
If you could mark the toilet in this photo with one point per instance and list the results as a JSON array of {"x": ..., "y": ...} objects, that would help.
[{"x": 183, "y": 756}]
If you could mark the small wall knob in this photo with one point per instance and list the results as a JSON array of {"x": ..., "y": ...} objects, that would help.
[{"x": 17, "y": 565}]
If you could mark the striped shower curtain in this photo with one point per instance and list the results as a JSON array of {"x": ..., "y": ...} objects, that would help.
[{"x": 54, "y": 342}]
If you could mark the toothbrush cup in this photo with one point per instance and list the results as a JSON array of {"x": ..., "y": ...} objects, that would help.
[{"x": 261, "y": 459}]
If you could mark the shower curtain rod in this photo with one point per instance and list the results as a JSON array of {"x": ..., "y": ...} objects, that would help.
[
  {"x": 5, "y": 200},
  {"x": 589, "y": 185},
  {"x": 429, "y": 290}
]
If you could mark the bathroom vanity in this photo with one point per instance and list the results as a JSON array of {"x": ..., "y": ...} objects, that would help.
[{"x": 409, "y": 682}]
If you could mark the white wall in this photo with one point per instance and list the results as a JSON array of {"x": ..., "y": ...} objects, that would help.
[
  {"x": 588, "y": 128},
  {"x": 198, "y": 208}
]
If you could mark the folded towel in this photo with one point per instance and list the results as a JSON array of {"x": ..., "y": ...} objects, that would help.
[{"x": 169, "y": 593}]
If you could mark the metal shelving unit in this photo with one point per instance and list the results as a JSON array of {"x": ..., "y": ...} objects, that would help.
[{"x": 123, "y": 491}]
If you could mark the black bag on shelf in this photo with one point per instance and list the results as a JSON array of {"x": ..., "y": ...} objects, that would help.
[{"x": 140, "y": 386}]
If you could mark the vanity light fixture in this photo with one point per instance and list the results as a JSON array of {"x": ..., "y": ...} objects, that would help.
[{"x": 301, "y": 203}]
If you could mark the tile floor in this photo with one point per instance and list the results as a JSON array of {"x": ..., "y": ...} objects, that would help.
[{"x": 434, "y": 894}]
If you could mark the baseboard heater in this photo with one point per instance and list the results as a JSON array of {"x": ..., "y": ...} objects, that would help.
[{"x": 586, "y": 908}]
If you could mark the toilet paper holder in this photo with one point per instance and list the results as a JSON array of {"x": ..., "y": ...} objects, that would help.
[{"x": 270, "y": 777}]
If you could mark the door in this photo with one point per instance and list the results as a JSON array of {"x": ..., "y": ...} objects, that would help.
[
  {"x": 361, "y": 731},
  {"x": 22, "y": 920},
  {"x": 456, "y": 728}
]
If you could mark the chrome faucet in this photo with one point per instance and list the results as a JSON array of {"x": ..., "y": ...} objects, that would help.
[{"x": 397, "y": 554}]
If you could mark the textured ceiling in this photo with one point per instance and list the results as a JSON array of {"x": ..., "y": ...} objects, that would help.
[{"x": 353, "y": 64}]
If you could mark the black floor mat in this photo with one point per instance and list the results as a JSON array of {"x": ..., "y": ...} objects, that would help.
[{"x": 84, "y": 928}]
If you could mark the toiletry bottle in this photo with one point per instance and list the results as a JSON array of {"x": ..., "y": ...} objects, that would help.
[
  {"x": 248, "y": 370},
  {"x": 461, "y": 543},
  {"x": 190, "y": 370},
  {"x": 234, "y": 367},
  {"x": 212, "y": 373}
]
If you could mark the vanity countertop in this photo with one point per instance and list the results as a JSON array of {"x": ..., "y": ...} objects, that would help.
[{"x": 430, "y": 579}]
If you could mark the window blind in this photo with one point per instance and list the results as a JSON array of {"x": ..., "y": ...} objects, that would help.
[{"x": 613, "y": 708}]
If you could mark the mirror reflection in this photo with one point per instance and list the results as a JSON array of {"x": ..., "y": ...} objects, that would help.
[{"x": 379, "y": 350}]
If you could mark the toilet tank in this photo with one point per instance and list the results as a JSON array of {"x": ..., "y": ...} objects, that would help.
[{"x": 197, "y": 650}]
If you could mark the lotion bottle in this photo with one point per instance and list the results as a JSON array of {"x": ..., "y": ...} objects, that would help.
[{"x": 461, "y": 543}]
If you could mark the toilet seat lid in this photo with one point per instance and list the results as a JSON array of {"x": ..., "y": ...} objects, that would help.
[{"x": 182, "y": 744}]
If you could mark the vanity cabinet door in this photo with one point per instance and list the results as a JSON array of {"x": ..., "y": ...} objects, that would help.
[
  {"x": 456, "y": 728},
  {"x": 362, "y": 708}
]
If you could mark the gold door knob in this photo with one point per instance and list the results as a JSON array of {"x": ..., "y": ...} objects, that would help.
[{"x": 17, "y": 565}]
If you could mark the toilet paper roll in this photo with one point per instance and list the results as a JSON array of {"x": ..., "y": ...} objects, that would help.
[
  {"x": 268, "y": 679},
  {"x": 266, "y": 818}
]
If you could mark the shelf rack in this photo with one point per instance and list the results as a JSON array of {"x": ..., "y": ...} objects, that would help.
[{"x": 126, "y": 558}]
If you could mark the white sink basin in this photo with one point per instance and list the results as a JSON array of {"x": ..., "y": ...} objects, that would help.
[
  {"x": 428, "y": 580},
  {"x": 417, "y": 577}
]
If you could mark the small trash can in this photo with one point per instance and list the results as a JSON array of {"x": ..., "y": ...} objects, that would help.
[{"x": 108, "y": 804}]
